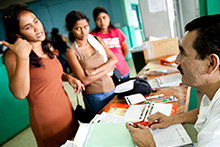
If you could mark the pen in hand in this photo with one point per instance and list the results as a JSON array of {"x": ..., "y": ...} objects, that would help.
[{"x": 133, "y": 125}]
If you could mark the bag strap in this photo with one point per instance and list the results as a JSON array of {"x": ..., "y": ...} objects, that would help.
[{"x": 96, "y": 38}]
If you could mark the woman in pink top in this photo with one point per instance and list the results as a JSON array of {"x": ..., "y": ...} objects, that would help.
[{"x": 114, "y": 38}]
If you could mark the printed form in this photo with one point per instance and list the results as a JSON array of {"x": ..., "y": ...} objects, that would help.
[{"x": 174, "y": 135}]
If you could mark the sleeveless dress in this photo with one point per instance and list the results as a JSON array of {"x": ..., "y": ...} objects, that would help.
[{"x": 50, "y": 110}]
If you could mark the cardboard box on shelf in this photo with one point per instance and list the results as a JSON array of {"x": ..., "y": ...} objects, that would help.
[{"x": 154, "y": 50}]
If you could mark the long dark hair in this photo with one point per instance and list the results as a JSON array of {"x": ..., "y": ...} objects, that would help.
[
  {"x": 96, "y": 12},
  {"x": 11, "y": 24},
  {"x": 71, "y": 20}
]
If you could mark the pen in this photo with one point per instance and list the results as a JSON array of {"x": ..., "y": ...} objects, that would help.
[
  {"x": 155, "y": 96},
  {"x": 133, "y": 125},
  {"x": 170, "y": 99}
]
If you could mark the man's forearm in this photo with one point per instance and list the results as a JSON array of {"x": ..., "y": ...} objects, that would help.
[{"x": 187, "y": 117}]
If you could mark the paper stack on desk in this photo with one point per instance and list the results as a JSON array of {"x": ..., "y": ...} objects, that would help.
[
  {"x": 109, "y": 130},
  {"x": 165, "y": 81}
]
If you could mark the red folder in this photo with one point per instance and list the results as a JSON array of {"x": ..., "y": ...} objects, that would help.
[{"x": 168, "y": 60}]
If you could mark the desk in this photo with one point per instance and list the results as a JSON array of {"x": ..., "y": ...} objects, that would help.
[{"x": 182, "y": 92}]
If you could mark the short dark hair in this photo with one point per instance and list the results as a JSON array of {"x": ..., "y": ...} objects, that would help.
[
  {"x": 54, "y": 31},
  {"x": 208, "y": 35},
  {"x": 71, "y": 20}
]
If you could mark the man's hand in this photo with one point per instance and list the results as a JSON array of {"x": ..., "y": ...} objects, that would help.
[
  {"x": 141, "y": 136},
  {"x": 163, "y": 120}
]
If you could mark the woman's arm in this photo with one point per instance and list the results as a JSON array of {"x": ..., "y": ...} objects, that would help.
[
  {"x": 124, "y": 48},
  {"x": 79, "y": 71},
  {"x": 75, "y": 83},
  {"x": 17, "y": 63}
]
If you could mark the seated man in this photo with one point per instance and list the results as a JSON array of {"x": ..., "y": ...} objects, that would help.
[{"x": 198, "y": 62}]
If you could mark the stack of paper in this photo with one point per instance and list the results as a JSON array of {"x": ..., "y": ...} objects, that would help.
[
  {"x": 164, "y": 81},
  {"x": 109, "y": 130}
]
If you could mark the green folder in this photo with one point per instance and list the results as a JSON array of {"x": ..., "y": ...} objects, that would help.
[{"x": 109, "y": 135}]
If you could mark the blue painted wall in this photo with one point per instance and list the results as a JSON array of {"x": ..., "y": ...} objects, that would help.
[{"x": 53, "y": 12}]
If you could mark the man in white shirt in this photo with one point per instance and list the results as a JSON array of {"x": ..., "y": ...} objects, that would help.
[{"x": 199, "y": 64}]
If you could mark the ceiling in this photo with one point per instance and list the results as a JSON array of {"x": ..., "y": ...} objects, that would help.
[{"x": 5, "y": 3}]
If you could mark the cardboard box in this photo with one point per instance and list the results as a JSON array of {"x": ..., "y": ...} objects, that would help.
[{"x": 154, "y": 50}]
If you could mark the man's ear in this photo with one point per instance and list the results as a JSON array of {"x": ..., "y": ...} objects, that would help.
[{"x": 213, "y": 63}]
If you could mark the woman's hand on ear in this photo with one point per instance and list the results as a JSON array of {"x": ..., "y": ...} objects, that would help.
[{"x": 21, "y": 47}]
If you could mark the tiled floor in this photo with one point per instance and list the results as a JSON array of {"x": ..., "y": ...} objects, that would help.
[{"x": 26, "y": 138}]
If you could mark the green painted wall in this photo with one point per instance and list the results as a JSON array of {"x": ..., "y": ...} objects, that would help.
[
  {"x": 14, "y": 113},
  {"x": 193, "y": 99},
  {"x": 209, "y": 7},
  {"x": 126, "y": 32}
]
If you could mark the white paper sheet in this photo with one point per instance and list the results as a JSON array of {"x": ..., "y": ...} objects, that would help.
[
  {"x": 136, "y": 113},
  {"x": 174, "y": 135},
  {"x": 134, "y": 98},
  {"x": 157, "y": 6},
  {"x": 159, "y": 107},
  {"x": 126, "y": 86},
  {"x": 164, "y": 81},
  {"x": 68, "y": 143},
  {"x": 81, "y": 135}
]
